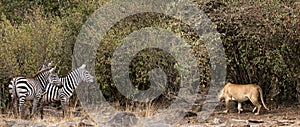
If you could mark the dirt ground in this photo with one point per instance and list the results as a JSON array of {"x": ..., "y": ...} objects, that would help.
[
  {"x": 288, "y": 115},
  {"x": 284, "y": 115}
]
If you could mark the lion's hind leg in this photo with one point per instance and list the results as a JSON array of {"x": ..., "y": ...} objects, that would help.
[
  {"x": 254, "y": 109},
  {"x": 239, "y": 107},
  {"x": 256, "y": 104}
]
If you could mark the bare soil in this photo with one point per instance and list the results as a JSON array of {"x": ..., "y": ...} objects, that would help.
[{"x": 282, "y": 115}]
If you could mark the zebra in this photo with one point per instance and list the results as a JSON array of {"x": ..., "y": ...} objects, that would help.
[
  {"x": 53, "y": 77},
  {"x": 11, "y": 86},
  {"x": 25, "y": 89},
  {"x": 12, "y": 90},
  {"x": 69, "y": 84}
]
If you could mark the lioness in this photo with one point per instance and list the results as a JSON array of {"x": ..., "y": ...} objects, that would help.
[{"x": 241, "y": 93}]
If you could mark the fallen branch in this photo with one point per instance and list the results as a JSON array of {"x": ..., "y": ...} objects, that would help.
[
  {"x": 255, "y": 121},
  {"x": 248, "y": 121}
]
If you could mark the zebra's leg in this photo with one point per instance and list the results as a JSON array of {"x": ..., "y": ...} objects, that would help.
[
  {"x": 41, "y": 104},
  {"x": 41, "y": 110},
  {"x": 34, "y": 107},
  {"x": 21, "y": 110},
  {"x": 15, "y": 106},
  {"x": 64, "y": 104},
  {"x": 64, "y": 111},
  {"x": 36, "y": 102},
  {"x": 21, "y": 107}
]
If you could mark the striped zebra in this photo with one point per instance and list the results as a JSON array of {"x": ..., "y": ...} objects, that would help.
[
  {"x": 69, "y": 83},
  {"x": 11, "y": 86},
  {"x": 27, "y": 89}
]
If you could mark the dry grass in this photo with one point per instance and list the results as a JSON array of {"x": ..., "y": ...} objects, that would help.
[
  {"x": 277, "y": 116},
  {"x": 52, "y": 116},
  {"x": 139, "y": 109}
]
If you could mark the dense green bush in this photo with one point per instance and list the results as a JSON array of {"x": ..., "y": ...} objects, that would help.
[
  {"x": 147, "y": 59},
  {"x": 262, "y": 43},
  {"x": 25, "y": 47},
  {"x": 36, "y": 33}
]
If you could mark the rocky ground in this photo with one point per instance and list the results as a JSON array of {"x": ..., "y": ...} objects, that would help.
[
  {"x": 288, "y": 116},
  {"x": 277, "y": 116}
]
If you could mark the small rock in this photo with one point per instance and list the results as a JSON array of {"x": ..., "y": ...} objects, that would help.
[
  {"x": 123, "y": 119},
  {"x": 170, "y": 115},
  {"x": 28, "y": 124},
  {"x": 190, "y": 114},
  {"x": 71, "y": 124},
  {"x": 8, "y": 123},
  {"x": 217, "y": 121},
  {"x": 4, "y": 123},
  {"x": 38, "y": 125},
  {"x": 86, "y": 123},
  {"x": 254, "y": 125},
  {"x": 68, "y": 124},
  {"x": 147, "y": 122}
]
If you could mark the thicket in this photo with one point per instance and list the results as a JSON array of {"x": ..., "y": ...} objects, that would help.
[
  {"x": 261, "y": 41},
  {"x": 36, "y": 32}
]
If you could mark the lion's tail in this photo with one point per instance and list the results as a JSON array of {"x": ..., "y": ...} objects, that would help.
[{"x": 261, "y": 98}]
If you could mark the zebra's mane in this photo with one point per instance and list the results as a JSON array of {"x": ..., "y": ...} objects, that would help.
[{"x": 41, "y": 71}]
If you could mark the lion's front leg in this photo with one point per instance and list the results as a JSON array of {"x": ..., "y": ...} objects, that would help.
[{"x": 227, "y": 101}]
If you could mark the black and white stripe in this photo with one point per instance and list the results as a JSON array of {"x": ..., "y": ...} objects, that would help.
[
  {"x": 25, "y": 89},
  {"x": 11, "y": 86},
  {"x": 69, "y": 84}
]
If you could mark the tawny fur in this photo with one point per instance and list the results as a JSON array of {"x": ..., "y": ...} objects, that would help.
[{"x": 241, "y": 93}]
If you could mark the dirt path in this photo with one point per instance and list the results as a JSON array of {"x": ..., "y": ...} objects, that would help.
[{"x": 277, "y": 116}]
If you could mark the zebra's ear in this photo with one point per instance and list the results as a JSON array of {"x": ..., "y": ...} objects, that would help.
[
  {"x": 52, "y": 69},
  {"x": 49, "y": 64},
  {"x": 83, "y": 66}
]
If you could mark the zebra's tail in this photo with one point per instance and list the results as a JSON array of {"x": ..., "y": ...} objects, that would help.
[
  {"x": 13, "y": 95},
  {"x": 12, "y": 89}
]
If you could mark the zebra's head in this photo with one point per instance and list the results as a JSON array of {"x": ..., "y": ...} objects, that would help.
[
  {"x": 54, "y": 79},
  {"x": 85, "y": 74},
  {"x": 46, "y": 76}
]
